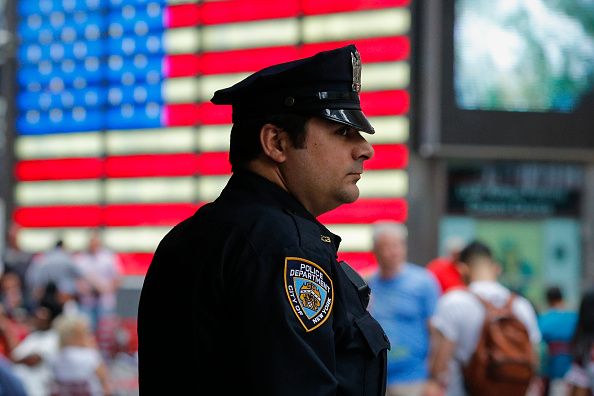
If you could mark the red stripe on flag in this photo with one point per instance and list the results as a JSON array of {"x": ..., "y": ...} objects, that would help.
[
  {"x": 59, "y": 216},
  {"x": 362, "y": 211},
  {"x": 182, "y": 65},
  {"x": 378, "y": 49},
  {"x": 58, "y": 169},
  {"x": 240, "y": 10},
  {"x": 148, "y": 214},
  {"x": 184, "y": 114},
  {"x": 182, "y": 15},
  {"x": 150, "y": 165},
  {"x": 385, "y": 102},
  {"x": 210, "y": 114},
  {"x": 382, "y": 49},
  {"x": 367, "y": 210},
  {"x": 213, "y": 163},
  {"x": 362, "y": 262},
  {"x": 135, "y": 263},
  {"x": 388, "y": 156},
  {"x": 130, "y": 215},
  {"x": 313, "y": 7},
  {"x": 138, "y": 263},
  {"x": 245, "y": 60}
]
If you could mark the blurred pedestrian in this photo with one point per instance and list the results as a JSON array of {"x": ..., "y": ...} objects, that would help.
[
  {"x": 33, "y": 355},
  {"x": 78, "y": 368},
  {"x": 12, "y": 333},
  {"x": 403, "y": 299},
  {"x": 17, "y": 260},
  {"x": 10, "y": 384},
  {"x": 101, "y": 275},
  {"x": 265, "y": 306},
  {"x": 55, "y": 266},
  {"x": 580, "y": 376},
  {"x": 557, "y": 325},
  {"x": 445, "y": 268},
  {"x": 459, "y": 319},
  {"x": 13, "y": 297}
]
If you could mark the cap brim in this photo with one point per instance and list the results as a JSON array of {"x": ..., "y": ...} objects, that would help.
[{"x": 354, "y": 118}]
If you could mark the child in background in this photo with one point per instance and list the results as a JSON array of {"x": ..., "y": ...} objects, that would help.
[{"x": 79, "y": 368}]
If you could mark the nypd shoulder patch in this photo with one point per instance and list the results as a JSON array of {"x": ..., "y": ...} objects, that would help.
[{"x": 309, "y": 290}]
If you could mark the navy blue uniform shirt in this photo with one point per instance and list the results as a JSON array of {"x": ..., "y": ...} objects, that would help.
[{"x": 247, "y": 297}]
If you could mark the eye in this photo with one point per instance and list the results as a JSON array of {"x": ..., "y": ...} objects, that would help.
[{"x": 344, "y": 131}]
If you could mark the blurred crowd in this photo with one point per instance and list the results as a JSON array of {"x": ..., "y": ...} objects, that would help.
[
  {"x": 435, "y": 317},
  {"x": 60, "y": 334}
]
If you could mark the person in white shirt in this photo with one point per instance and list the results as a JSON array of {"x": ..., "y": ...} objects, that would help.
[
  {"x": 78, "y": 367},
  {"x": 459, "y": 316},
  {"x": 33, "y": 355}
]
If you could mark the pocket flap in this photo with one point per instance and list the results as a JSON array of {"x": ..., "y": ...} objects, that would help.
[{"x": 373, "y": 333}]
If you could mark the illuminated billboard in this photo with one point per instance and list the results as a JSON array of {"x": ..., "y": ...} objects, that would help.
[
  {"x": 115, "y": 129},
  {"x": 505, "y": 79}
]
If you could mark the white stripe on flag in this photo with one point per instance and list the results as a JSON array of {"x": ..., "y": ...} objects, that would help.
[
  {"x": 58, "y": 192},
  {"x": 383, "y": 184},
  {"x": 265, "y": 33},
  {"x": 64, "y": 145},
  {"x": 352, "y": 25},
  {"x": 181, "y": 41},
  {"x": 161, "y": 140},
  {"x": 385, "y": 76},
  {"x": 150, "y": 189}
]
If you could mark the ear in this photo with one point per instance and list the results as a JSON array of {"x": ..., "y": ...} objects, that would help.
[
  {"x": 498, "y": 268},
  {"x": 274, "y": 142},
  {"x": 463, "y": 268}
]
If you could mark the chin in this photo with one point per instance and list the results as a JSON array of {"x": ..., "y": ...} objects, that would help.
[{"x": 350, "y": 195}]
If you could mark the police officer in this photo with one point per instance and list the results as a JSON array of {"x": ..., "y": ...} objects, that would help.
[{"x": 248, "y": 290}]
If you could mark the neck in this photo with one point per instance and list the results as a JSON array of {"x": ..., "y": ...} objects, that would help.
[
  {"x": 482, "y": 275},
  {"x": 388, "y": 272},
  {"x": 269, "y": 171},
  {"x": 273, "y": 172}
]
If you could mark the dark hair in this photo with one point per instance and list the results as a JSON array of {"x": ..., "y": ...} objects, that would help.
[
  {"x": 245, "y": 136},
  {"x": 583, "y": 336},
  {"x": 50, "y": 301},
  {"x": 553, "y": 295},
  {"x": 474, "y": 249}
]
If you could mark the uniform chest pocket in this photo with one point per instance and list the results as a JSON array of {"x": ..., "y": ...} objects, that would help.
[{"x": 373, "y": 334}]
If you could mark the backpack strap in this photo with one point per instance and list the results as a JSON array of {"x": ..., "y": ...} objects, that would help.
[
  {"x": 510, "y": 300},
  {"x": 487, "y": 304}
]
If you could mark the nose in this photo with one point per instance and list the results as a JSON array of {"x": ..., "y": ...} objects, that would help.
[{"x": 363, "y": 150}]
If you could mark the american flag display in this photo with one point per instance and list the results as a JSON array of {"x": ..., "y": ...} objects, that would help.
[{"x": 115, "y": 130}]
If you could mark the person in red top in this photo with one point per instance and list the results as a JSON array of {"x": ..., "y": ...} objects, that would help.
[{"x": 444, "y": 267}]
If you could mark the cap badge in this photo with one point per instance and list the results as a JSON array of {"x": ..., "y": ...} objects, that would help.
[{"x": 356, "y": 60}]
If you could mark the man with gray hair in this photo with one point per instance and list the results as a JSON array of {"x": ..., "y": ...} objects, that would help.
[{"x": 403, "y": 298}]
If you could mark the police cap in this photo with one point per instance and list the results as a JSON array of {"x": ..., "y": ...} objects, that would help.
[{"x": 326, "y": 85}]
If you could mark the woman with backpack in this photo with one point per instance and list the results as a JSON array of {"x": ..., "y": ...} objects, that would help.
[{"x": 580, "y": 376}]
